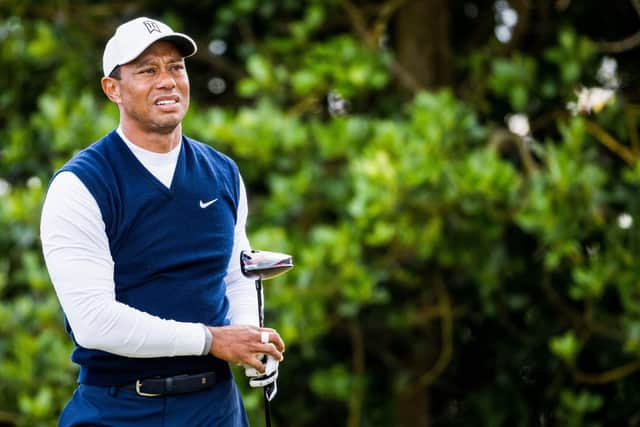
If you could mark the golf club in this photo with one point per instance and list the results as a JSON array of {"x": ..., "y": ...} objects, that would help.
[{"x": 264, "y": 265}]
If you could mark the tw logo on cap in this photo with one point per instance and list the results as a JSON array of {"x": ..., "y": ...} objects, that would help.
[{"x": 152, "y": 26}]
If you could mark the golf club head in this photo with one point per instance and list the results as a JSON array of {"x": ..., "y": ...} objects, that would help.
[{"x": 264, "y": 265}]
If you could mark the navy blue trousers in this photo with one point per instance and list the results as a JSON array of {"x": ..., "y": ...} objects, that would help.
[{"x": 220, "y": 406}]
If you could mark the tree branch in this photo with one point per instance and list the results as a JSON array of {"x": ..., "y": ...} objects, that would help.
[
  {"x": 386, "y": 12},
  {"x": 446, "y": 353},
  {"x": 636, "y": 6},
  {"x": 358, "y": 362},
  {"x": 433, "y": 312},
  {"x": 623, "y": 45},
  {"x": 630, "y": 112},
  {"x": 359, "y": 25},
  {"x": 577, "y": 318},
  {"x": 500, "y": 138},
  {"x": 8, "y": 417},
  {"x": 305, "y": 104},
  {"x": 609, "y": 376},
  {"x": 611, "y": 143}
]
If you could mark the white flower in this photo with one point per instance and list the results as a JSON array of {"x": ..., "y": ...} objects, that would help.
[
  {"x": 607, "y": 73},
  {"x": 625, "y": 221},
  {"x": 337, "y": 105},
  {"x": 519, "y": 124},
  {"x": 591, "y": 99}
]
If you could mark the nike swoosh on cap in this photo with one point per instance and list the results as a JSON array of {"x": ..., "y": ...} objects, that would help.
[{"x": 207, "y": 204}]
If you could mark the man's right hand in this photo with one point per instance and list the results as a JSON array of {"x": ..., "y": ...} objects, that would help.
[
  {"x": 268, "y": 380},
  {"x": 271, "y": 366},
  {"x": 241, "y": 343}
]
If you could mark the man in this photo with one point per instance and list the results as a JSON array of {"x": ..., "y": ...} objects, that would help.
[{"x": 141, "y": 234}]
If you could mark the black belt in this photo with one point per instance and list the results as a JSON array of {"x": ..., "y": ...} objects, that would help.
[{"x": 156, "y": 387}]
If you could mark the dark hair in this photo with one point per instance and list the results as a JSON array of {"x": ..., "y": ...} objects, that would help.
[{"x": 115, "y": 74}]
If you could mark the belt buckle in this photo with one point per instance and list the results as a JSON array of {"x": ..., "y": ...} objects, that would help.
[{"x": 140, "y": 393}]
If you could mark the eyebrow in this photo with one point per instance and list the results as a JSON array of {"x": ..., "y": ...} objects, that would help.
[{"x": 152, "y": 61}]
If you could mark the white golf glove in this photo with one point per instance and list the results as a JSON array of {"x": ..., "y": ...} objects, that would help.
[
  {"x": 271, "y": 367},
  {"x": 267, "y": 379}
]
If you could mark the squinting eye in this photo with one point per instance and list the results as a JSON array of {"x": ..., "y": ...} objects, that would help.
[{"x": 147, "y": 71}]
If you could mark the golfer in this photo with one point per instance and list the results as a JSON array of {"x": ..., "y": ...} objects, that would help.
[{"x": 142, "y": 233}]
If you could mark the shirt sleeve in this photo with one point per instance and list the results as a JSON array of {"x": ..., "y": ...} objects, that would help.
[
  {"x": 77, "y": 255},
  {"x": 241, "y": 291}
]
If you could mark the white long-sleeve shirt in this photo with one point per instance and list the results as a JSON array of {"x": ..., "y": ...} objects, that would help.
[{"x": 76, "y": 251}]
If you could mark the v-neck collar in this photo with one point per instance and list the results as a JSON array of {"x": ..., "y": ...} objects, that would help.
[{"x": 135, "y": 162}]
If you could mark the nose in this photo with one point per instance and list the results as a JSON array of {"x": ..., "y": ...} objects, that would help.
[{"x": 165, "y": 80}]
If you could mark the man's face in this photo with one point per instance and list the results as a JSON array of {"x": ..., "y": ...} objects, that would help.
[{"x": 154, "y": 89}]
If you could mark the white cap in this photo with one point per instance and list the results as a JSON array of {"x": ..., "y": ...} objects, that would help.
[{"x": 133, "y": 37}]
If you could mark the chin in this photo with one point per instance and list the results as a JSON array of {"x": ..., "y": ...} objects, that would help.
[
  {"x": 168, "y": 124},
  {"x": 165, "y": 127}
]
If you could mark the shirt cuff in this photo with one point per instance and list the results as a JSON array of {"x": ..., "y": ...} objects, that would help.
[{"x": 208, "y": 340}]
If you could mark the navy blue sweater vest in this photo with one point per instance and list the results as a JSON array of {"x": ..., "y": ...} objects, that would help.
[{"x": 170, "y": 253}]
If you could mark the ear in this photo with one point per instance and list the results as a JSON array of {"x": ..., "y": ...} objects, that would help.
[{"x": 111, "y": 88}]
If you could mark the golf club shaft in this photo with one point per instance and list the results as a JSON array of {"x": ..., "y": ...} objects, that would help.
[
  {"x": 267, "y": 405},
  {"x": 260, "y": 302},
  {"x": 267, "y": 410}
]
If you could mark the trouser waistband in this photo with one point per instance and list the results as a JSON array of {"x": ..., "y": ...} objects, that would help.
[{"x": 178, "y": 384}]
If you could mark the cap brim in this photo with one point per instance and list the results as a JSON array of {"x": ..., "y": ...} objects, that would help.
[{"x": 184, "y": 43}]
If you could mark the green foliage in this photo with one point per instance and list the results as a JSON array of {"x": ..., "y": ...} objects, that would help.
[
  {"x": 575, "y": 408},
  {"x": 339, "y": 63},
  {"x": 441, "y": 266},
  {"x": 570, "y": 55},
  {"x": 565, "y": 347},
  {"x": 514, "y": 78},
  {"x": 563, "y": 205},
  {"x": 334, "y": 383},
  {"x": 34, "y": 349}
]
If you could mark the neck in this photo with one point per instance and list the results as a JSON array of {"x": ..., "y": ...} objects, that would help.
[{"x": 153, "y": 141}]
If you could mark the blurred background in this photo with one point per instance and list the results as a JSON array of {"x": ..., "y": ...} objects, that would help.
[{"x": 456, "y": 180}]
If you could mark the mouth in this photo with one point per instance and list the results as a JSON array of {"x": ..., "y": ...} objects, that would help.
[{"x": 167, "y": 102}]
